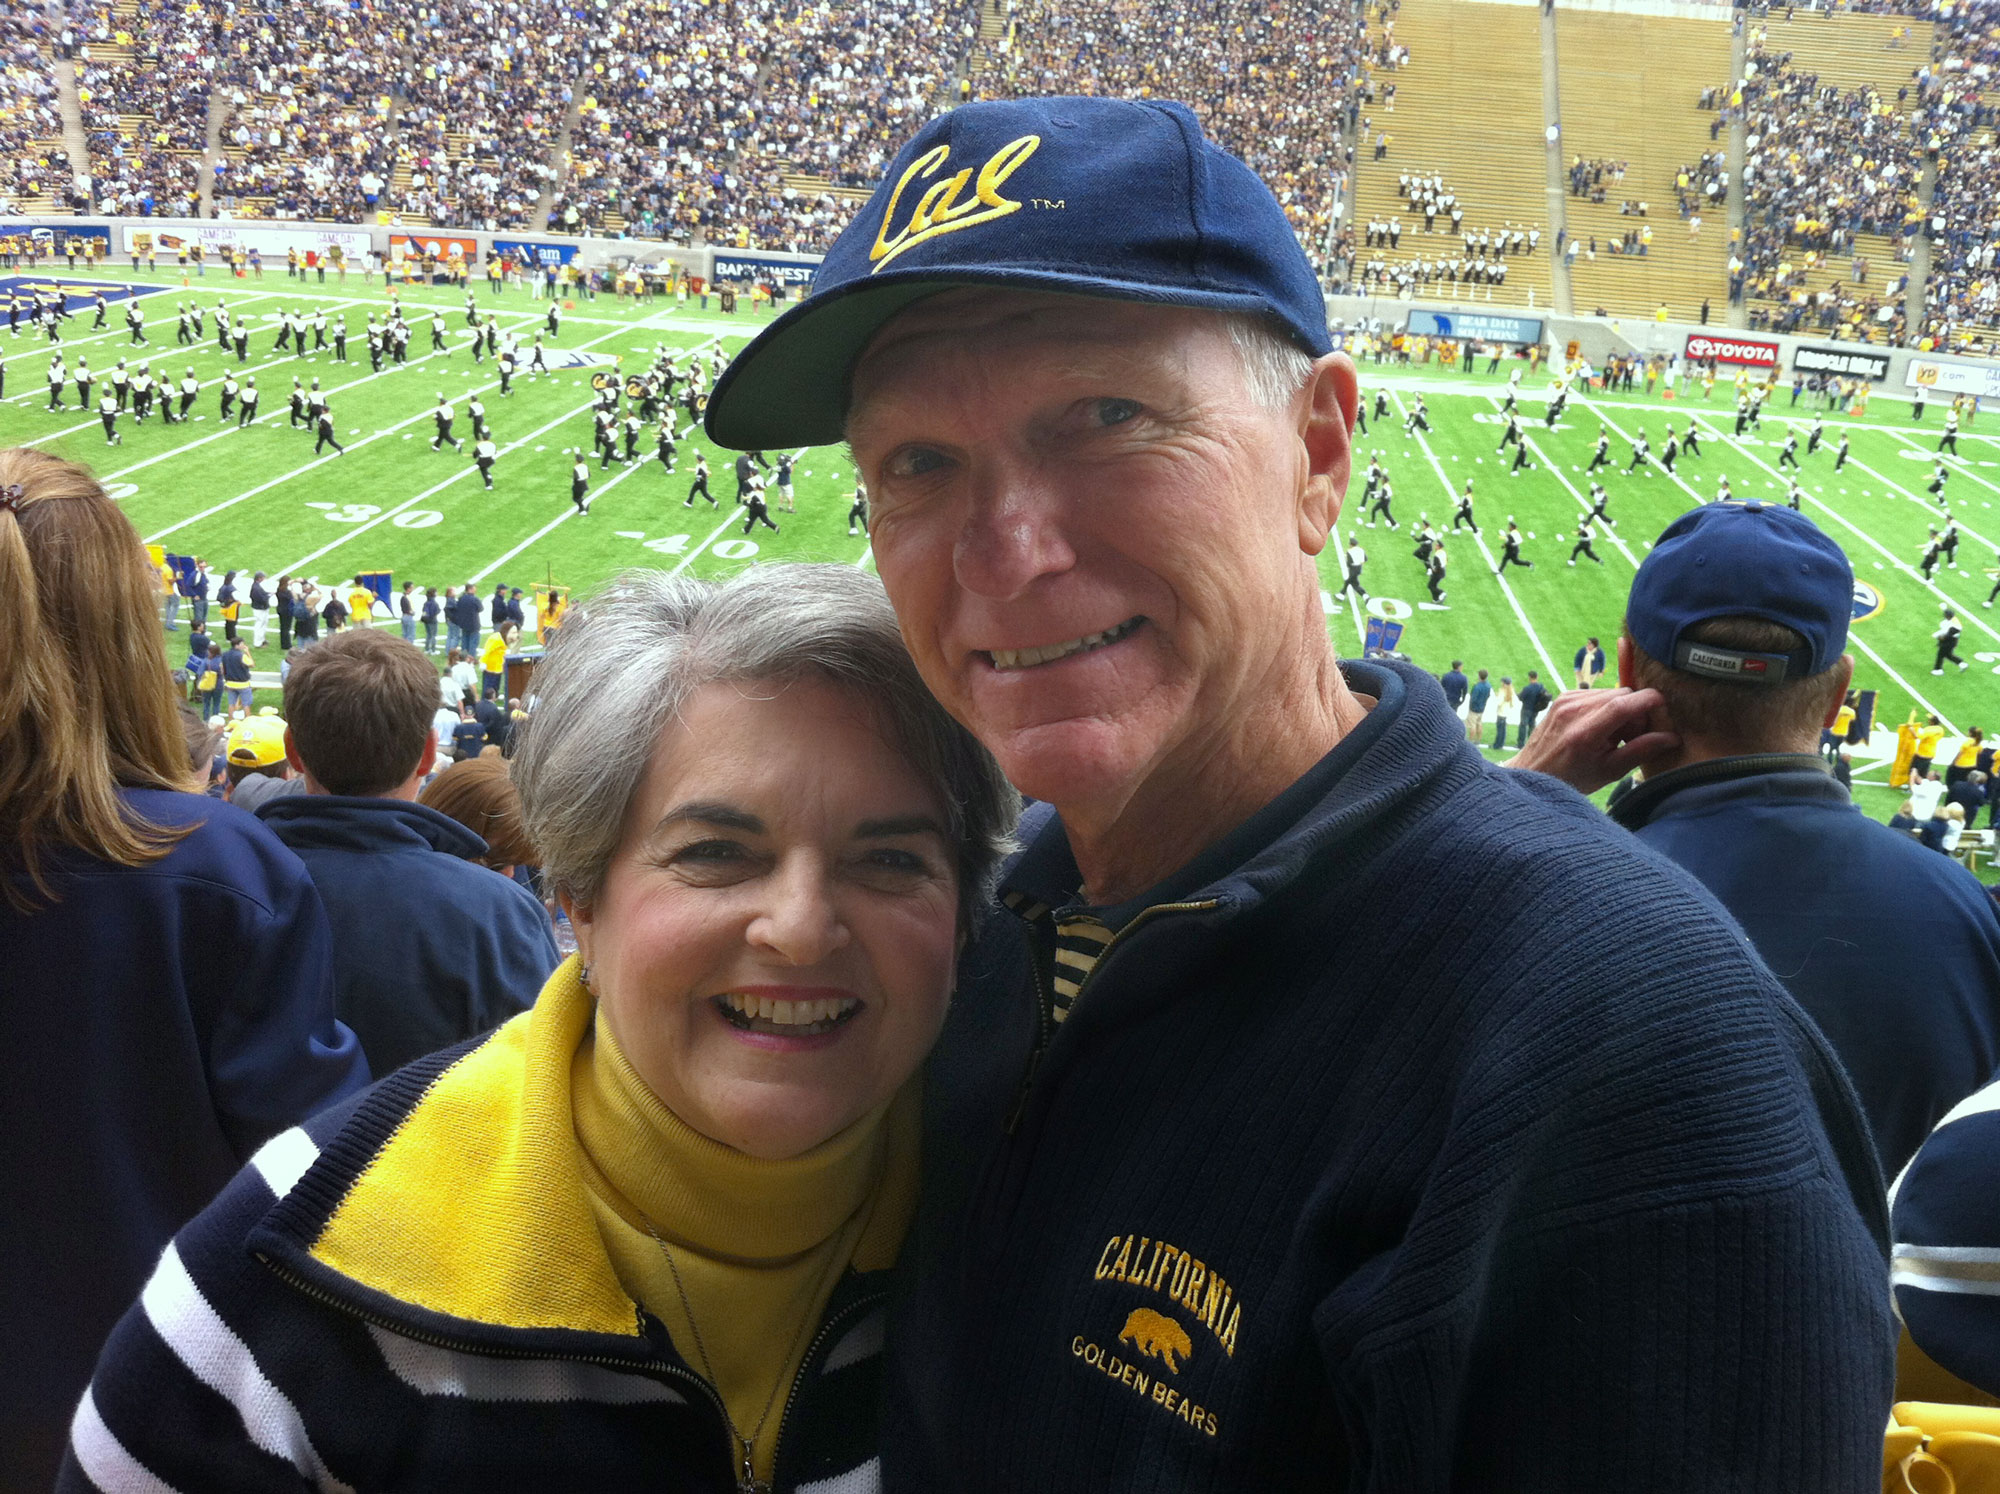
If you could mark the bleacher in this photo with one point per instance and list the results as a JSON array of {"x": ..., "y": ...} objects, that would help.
[
  {"x": 1850, "y": 50},
  {"x": 1629, "y": 86},
  {"x": 1468, "y": 106}
]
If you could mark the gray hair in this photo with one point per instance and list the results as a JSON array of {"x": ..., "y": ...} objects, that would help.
[
  {"x": 625, "y": 661},
  {"x": 1275, "y": 368}
]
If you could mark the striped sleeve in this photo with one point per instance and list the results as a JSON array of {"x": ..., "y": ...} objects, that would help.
[
  {"x": 1946, "y": 1222},
  {"x": 179, "y": 1401}
]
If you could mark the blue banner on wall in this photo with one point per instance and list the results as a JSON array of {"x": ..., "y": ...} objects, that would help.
[
  {"x": 535, "y": 253},
  {"x": 1480, "y": 324},
  {"x": 761, "y": 267}
]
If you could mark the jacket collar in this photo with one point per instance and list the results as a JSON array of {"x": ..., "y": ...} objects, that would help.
[
  {"x": 1792, "y": 772},
  {"x": 452, "y": 1205},
  {"x": 338, "y": 822},
  {"x": 1347, "y": 800}
]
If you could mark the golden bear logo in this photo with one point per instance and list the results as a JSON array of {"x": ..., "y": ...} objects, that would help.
[{"x": 1156, "y": 1335}]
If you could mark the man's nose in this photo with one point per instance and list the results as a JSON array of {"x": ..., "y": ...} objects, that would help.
[{"x": 1015, "y": 531}]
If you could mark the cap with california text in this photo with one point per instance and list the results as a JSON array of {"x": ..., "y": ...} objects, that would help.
[
  {"x": 1092, "y": 197},
  {"x": 1752, "y": 559}
]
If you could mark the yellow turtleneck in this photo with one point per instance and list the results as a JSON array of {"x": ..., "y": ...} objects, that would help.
[{"x": 759, "y": 1245}]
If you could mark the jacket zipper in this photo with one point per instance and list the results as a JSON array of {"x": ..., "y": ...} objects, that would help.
[
  {"x": 872, "y": 1299},
  {"x": 1045, "y": 1005},
  {"x": 659, "y": 1368}
]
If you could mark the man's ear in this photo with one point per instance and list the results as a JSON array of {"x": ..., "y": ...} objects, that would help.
[
  {"x": 1628, "y": 665},
  {"x": 1843, "y": 676},
  {"x": 1326, "y": 430}
]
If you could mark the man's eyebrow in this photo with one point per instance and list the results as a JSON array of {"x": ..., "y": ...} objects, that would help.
[
  {"x": 708, "y": 812},
  {"x": 905, "y": 824}
]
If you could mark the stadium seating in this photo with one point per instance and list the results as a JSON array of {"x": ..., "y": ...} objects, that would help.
[
  {"x": 34, "y": 161},
  {"x": 1629, "y": 85},
  {"x": 1459, "y": 110}
]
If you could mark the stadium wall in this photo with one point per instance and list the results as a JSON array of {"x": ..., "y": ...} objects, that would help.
[
  {"x": 1893, "y": 370},
  {"x": 271, "y": 235}
]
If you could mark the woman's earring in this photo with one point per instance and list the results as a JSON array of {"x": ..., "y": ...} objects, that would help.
[{"x": 584, "y": 975}]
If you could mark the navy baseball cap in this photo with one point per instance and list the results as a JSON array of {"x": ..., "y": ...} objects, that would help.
[
  {"x": 1743, "y": 560},
  {"x": 1094, "y": 197}
]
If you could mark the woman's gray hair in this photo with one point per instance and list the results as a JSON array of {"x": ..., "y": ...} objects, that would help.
[{"x": 626, "y": 660}]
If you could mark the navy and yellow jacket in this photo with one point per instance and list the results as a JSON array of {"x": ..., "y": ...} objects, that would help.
[
  {"x": 1425, "y": 1134},
  {"x": 410, "y": 1292}
]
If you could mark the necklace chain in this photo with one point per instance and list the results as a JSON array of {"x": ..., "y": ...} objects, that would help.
[{"x": 747, "y": 1482}]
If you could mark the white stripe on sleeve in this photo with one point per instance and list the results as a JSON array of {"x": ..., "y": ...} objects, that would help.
[
  {"x": 103, "y": 1458},
  {"x": 219, "y": 1359},
  {"x": 283, "y": 1160}
]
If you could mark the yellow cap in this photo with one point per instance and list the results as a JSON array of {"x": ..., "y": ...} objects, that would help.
[{"x": 256, "y": 742}]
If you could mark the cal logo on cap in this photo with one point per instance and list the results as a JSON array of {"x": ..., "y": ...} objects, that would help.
[{"x": 939, "y": 211}]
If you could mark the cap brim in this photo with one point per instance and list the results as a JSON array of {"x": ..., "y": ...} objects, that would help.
[{"x": 790, "y": 385}]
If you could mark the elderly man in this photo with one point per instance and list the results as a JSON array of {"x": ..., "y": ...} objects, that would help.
[{"x": 1296, "y": 1126}]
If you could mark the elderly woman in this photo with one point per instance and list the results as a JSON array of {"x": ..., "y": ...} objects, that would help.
[{"x": 638, "y": 1236}]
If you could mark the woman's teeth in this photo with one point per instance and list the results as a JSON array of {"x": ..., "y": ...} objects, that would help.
[{"x": 769, "y": 1012}]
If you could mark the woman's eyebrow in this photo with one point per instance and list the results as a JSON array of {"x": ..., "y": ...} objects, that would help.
[{"x": 708, "y": 812}]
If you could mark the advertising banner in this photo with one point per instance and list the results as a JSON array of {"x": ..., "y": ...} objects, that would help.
[
  {"x": 443, "y": 245},
  {"x": 1848, "y": 363},
  {"x": 1482, "y": 325},
  {"x": 265, "y": 238},
  {"x": 1953, "y": 378},
  {"x": 1723, "y": 348},
  {"x": 528, "y": 252},
  {"x": 731, "y": 266}
]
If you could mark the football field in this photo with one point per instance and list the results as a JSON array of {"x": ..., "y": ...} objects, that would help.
[{"x": 258, "y": 498}]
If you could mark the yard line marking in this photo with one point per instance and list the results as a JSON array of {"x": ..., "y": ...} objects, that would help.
[
  {"x": 1562, "y": 477},
  {"x": 226, "y": 429},
  {"x": 1895, "y": 561},
  {"x": 1508, "y": 591},
  {"x": 689, "y": 559},
  {"x": 553, "y": 524},
  {"x": 436, "y": 488},
  {"x": 1853, "y": 638},
  {"x": 285, "y": 477},
  {"x": 151, "y": 350}
]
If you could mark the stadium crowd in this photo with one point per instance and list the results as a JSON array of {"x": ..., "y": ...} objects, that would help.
[
  {"x": 1821, "y": 165},
  {"x": 33, "y": 161}
]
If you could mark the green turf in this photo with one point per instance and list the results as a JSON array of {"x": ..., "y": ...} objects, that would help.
[{"x": 257, "y": 499}]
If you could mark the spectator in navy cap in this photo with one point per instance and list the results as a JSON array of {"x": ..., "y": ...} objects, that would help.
[
  {"x": 1240, "y": 1174},
  {"x": 1730, "y": 666}
]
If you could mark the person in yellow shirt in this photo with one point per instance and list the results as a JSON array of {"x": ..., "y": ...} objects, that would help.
[
  {"x": 493, "y": 660},
  {"x": 1966, "y": 758},
  {"x": 360, "y": 606},
  {"x": 1928, "y": 737}
]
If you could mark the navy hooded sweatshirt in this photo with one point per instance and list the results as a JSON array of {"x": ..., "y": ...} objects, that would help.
[
  {"x": 163, "y": 1021},
  {"x": 1425, "y": 1133},
  {"x": 430, "y": 948},
  {"x": 1892, "y": 949}
]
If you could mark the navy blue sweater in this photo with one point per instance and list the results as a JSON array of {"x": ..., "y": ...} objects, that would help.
[
  {"x": 430, "y": 948},
  {"x": 163, "y": 1021},
  {"x": 1427, "y": 1133},
  {"x": 1892, "y": 949}
]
